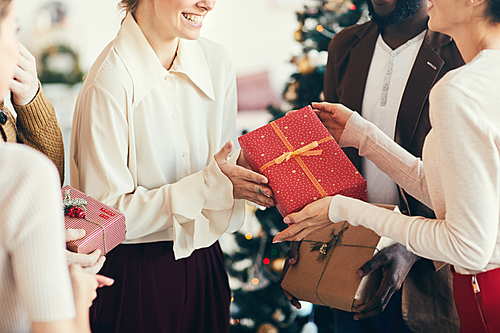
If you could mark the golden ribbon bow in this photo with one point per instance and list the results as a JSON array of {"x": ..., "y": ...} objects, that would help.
[{"x": 304, "y": 151}]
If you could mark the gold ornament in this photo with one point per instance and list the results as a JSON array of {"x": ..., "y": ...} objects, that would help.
[
  {"x": 267, "y": 328},
  {"x": 304, "y": 66},
  {"x": 297, "y": 35},
  {"x": 278, "y": 264}
]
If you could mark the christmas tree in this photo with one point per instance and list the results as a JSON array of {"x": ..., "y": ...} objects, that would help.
[{"x": 258, "y": 304}]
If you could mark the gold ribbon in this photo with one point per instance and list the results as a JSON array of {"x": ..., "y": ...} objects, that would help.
[{"x": 304, "y": 151}]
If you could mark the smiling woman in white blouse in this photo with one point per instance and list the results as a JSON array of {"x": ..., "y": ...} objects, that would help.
[
  {"x": 461, "y": 160},
  {"x": 151, "y": 137}
]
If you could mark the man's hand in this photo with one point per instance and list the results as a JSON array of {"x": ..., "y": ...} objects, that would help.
[
  {"x": 247, "y": 184},
  {"x": 396, "y": 262},
  {"x": 90, "y": 262},
  {"x": 24, "y": 85},
  {"x": 292, "y": 257}
]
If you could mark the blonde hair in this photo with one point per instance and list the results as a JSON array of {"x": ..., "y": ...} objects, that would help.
[{"x": 129, "y": 6}]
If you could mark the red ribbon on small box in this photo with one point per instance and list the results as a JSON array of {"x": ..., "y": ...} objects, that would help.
[{"x": 76, "y": 208}]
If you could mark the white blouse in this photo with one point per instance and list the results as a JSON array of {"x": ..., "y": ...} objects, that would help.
[
  {"x": 461, "y": 181},
  {"x": 144, "y": 137},
  {"x": 35, "y": 285}
]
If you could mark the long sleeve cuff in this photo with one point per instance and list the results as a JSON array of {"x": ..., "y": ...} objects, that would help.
[
  {"x": 384, "y": 222},
  {"x": 202, "y": 227},
  {"x": 36, "y": 114}
]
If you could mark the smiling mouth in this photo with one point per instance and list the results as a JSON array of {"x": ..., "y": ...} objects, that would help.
[{"x": 195, "y": 19}]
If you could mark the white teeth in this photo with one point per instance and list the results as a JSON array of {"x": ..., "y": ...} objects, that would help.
[{"x": 196, "y": 19}]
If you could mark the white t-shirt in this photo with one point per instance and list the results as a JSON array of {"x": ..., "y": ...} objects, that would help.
[
  {"x": 144, "y": 137},
  {"x": 458, "y": 176},
  {"x": 385, "y": 85},
  {"x": 34, "y": 280}
]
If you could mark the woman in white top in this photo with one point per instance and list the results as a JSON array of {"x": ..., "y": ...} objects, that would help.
[
  {"x": 37, "y": 293},
  {"x": 461, "y": 182},
  {"x": 155, "y": 109}
]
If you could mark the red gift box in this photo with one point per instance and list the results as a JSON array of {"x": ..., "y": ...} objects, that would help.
[
  {"x": 301, "y": 160},
  {"x": 104, "y": 226}
]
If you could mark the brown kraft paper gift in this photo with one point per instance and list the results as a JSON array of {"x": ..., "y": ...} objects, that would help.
[{"x": 325, "y": 273}]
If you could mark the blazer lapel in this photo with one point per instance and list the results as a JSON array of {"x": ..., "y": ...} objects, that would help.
[
  {"x": 359, "y": 65},
  {"x": 424, "y": 73}
]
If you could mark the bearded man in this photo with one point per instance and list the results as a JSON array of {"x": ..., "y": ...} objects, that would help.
[{"x": 385, "y": 69}]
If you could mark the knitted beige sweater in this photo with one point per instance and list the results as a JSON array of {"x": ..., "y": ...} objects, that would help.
[{"x": 37, "y": 127}]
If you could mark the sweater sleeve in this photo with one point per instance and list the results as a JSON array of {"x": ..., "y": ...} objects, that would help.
[
  {"x": 462, "y": 154},
  {"x": 34, "y": 235},
  {"x": 404, "y": 168},
  {"x": 38, "y": 128}
]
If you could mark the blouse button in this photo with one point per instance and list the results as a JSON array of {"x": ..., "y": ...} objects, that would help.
[{"x": 174, "y": 115}]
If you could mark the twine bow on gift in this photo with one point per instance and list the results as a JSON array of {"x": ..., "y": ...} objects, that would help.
[
  {"x": 326, "y": 249},
  {"x": 80, "y": 205}
]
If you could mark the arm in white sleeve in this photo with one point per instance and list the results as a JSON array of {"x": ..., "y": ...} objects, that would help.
[
  {"x": 404, "y": 168},
  {"x": 101, "y": 169},
  {"x": 467, "y": 161},
  {"x": 36, "y": 241}
]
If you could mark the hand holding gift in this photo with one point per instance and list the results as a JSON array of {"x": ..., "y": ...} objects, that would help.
[
  {"x": 313, "y": 218},
  {"x": 91, "y": 263},
  {"x": 247, "y": 184},
  {"x": 333, "y": 116},
  {"x": 104, "y": 226},
  {"x": 301, "y": 160}
]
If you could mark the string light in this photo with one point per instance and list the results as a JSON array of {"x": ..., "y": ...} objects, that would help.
[
  {"x": 324, "y": 32},
  {"x": 255, "y": 281},
  {"x": 248, "y": 235},
  {"x": 266, "y": 261}
]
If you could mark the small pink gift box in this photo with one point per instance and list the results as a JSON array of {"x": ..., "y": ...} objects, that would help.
[{"x": 104, "y": 226}]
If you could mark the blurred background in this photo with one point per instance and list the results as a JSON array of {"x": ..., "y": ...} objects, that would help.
[{"x": 279, "y": 53}]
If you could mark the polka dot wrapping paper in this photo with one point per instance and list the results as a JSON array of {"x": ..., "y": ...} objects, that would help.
[
  {"x": 104, "y": 226},
  {"x": 316, "y": 165}
]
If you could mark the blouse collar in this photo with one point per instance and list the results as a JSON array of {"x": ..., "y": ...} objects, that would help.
[{"x": 145, "y": 67}]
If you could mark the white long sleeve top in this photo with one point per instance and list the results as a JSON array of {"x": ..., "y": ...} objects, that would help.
[
  {"x": 144, "y": 137},
  {"x": 34, "y": 280},
  {"x": 461, "y": 182}
]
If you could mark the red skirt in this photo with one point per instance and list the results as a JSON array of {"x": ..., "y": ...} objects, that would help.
[
  {"x": 153, "y": 292},
  {"x": 477, "y": 299}
]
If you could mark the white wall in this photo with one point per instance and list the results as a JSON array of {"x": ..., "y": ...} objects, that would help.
[{"x": 257, "y": 33}]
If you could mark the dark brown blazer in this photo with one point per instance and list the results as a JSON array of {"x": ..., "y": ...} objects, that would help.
[{"x": 427, "y": 295}]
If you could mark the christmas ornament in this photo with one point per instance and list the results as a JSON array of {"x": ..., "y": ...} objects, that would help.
[
  {"x": 309, "y": 327},
  {"x": 278, "y": 264},
  {"x": 267, "y": 328},
  {"x": 74, "y": 207}
]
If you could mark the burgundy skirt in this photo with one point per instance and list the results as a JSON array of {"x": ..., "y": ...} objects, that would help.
[{"x": 153, "y": 292}]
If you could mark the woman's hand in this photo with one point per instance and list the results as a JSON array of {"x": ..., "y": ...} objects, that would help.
[
  {"x": 313, "y": 218},
  {"x": 247, "y": 184},
  {"x": 333, "y": 116},
  {"x": 92, "y": 263},
  {"x": 84, "y": 292},
  {"x": 24, "y": 85}
]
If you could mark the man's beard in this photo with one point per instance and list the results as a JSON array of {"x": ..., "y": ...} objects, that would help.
[{"x": 404, "y": 10}]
